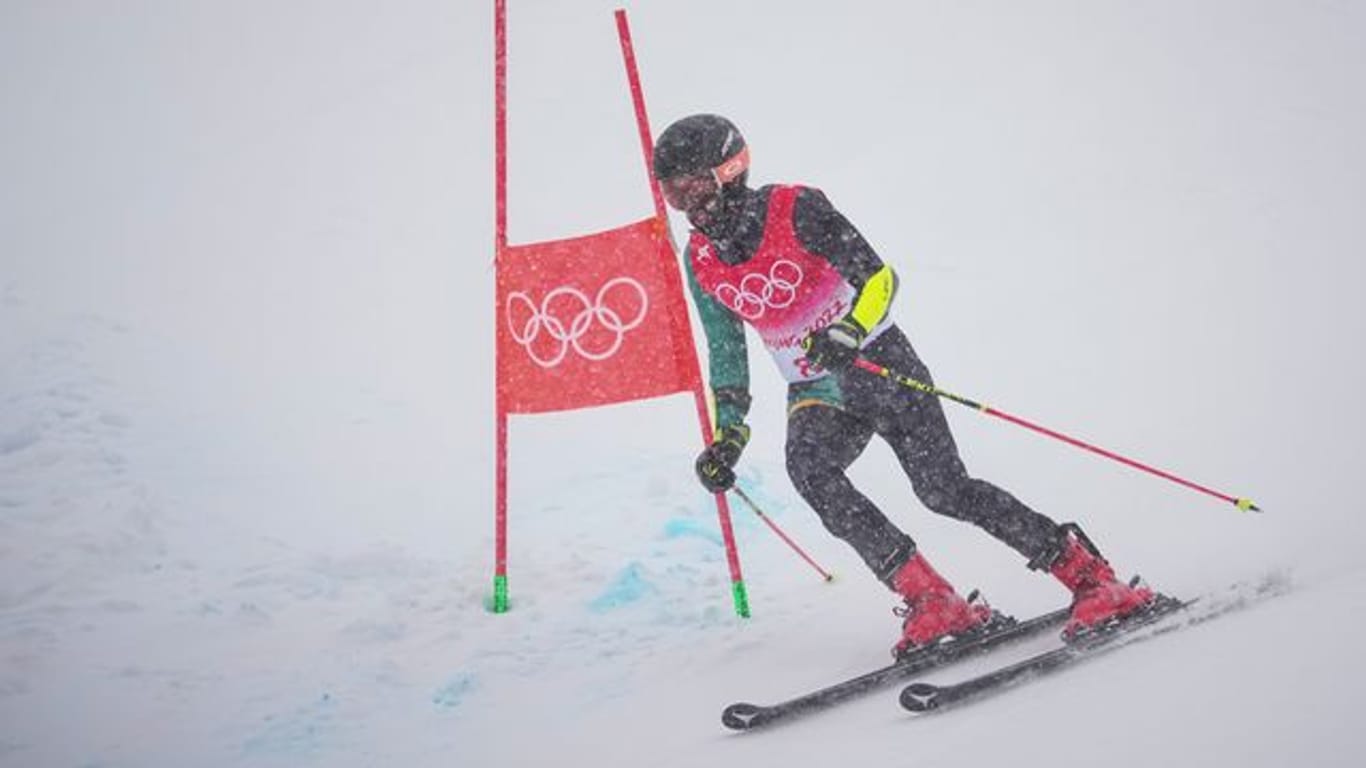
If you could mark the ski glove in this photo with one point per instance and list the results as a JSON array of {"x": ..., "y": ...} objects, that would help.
[
  {"x": 836, "y": 346},
  {"x": 715, "y": 465}
]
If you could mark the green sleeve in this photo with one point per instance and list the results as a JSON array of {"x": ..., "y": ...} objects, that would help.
[{"x": 727, "y": 355}]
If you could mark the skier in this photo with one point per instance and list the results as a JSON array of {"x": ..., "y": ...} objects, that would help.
[{"x": 785, "y": 261}]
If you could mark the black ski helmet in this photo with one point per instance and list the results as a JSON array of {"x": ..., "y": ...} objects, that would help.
[{"x": 701, "y": 143}]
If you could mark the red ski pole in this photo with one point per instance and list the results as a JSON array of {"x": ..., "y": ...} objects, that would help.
[
  {"x": 929, "y": 389},
  {"x": 750, "y": 503}
]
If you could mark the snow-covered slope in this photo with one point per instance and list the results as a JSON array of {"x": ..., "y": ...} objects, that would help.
[{"x": 245, "y": 432}]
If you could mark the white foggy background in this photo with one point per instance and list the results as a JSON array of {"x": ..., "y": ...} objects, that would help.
[
  {"x": 1135, "y": 222},
  {"x": 268, "y": 228}
]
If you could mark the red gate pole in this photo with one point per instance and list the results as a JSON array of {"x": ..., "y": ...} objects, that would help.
[
  {"x": 683, "y": 341},
  {"x": 500, "y": 523}
]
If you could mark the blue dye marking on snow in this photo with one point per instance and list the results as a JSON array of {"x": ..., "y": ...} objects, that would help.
[
  {"x": 682, "y": 527},
  {"x": 300, "y": 732},
  {"x": 629, "y": 586},
  {"x": 456, "y": 689}
]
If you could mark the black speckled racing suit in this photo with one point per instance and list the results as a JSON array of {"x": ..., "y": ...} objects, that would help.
[{"x": 832, "y": 419}]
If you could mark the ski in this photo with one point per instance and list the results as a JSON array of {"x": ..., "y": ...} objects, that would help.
[
  {"x": 925, "y": 697},
  {"x": 744, "y": 716}
]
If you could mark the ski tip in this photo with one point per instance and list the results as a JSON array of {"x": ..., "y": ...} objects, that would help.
[
  {"x": 742, "y": 716},
  {"x": 920, "y": 697}
]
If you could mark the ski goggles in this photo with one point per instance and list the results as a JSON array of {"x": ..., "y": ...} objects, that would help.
[
  {"x": 691, "y": 190},
  {"x": 686, "y": 193}
]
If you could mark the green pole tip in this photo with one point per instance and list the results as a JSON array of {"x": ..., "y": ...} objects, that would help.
[
  {"x": 1246, "y": 505},
  {"x": 741, "y": 599},
  {"x": 499, "y": 602}
]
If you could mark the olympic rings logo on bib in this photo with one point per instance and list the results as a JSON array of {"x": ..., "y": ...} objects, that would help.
[
  {"x": 594, "y": 329},
  {"x": 759, "y": 292}
]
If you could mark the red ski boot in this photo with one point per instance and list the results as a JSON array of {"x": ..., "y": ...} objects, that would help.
[
  {"x": 933, "y": 611},
  {"x": 1097, "y": 596}
]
